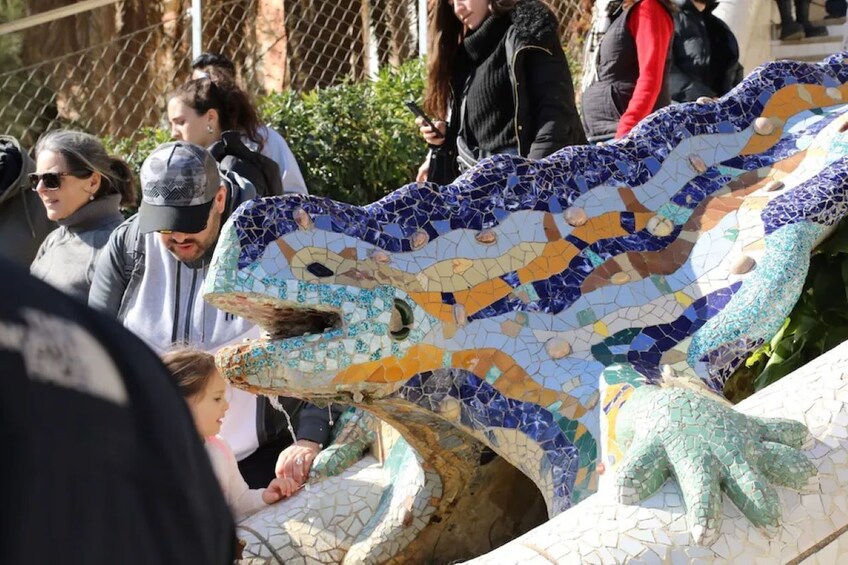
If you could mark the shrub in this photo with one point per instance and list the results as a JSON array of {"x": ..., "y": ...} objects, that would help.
[{"x": 355, "y": 142}]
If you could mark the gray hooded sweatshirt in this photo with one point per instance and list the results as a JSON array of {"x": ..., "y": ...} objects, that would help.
[{"x": 23, "y": 221}]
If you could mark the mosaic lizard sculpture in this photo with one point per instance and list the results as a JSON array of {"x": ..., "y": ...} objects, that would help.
[{"x": 520, "y": 306}]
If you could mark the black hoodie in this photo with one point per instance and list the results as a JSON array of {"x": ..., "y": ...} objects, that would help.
[{"x": 705, "y": 54}]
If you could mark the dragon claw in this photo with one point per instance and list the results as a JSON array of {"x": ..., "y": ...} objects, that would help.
[{"x": 708, "y": 448}]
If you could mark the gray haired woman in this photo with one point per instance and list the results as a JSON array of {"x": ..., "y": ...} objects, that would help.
[{"x": 82, "y": 189}]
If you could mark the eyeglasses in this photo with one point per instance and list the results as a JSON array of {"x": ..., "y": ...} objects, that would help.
[{"x": 52, "y": 181}]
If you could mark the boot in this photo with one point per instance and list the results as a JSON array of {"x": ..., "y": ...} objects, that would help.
[
  {"x": 802, "y": 15},
  {"x": 789, "y": 29}
]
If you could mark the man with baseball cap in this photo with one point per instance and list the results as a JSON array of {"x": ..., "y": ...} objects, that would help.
[
  {"x": 183, "y": 199},
  {"x": 150, "y": 276}
]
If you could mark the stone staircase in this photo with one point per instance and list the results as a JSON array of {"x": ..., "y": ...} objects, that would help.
[{"x": 815, "y": 48}]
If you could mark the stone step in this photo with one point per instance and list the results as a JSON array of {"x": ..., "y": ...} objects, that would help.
[
  {"x": 835, "y": 26},
  {"x": 810, "y": 49},
  {"x": 829, "y": 22}
]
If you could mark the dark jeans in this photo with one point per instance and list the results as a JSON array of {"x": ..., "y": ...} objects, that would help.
[{"x": 258, "y": 468}]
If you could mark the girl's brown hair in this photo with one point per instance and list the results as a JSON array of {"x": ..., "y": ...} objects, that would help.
[
  {"x": 235, "y": 109},
  {"x": 445, "y": 35},
  {"x": 192, "y": 369}
]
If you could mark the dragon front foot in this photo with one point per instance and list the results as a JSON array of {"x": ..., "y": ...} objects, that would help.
[{"x": 708, "y": 448}]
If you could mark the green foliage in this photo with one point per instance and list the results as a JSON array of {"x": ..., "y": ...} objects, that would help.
[
  {"x": 354, "y": 142},
  {"x": 134, "y": 150},
  {"x": 818, "y": 323}
]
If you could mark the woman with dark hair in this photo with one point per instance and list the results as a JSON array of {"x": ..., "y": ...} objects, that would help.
[
  {"x": 202, "y": 109},
  {"x": 221, "y": 70},
  {"x": 631, "y": 68},
  {"x": 82, "y": 189},
  {"x": 498, "y": 82},
  {"x": 215, "y": 113}
]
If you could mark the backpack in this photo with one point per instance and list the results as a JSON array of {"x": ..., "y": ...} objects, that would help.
[{"x": 233, "y": 156}]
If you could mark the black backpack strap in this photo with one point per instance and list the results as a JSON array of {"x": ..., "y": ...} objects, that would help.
[
  {"x": 120, "y": 265},
  {"x": 233, "y": 155}
]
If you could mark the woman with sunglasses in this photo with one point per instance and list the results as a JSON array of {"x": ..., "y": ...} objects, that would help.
[{"x": 82, "y": 189}]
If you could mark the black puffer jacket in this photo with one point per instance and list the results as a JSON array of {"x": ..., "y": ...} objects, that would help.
[
  {"x": 544, "y": 112},
  {"x": 705, "y": 54}
]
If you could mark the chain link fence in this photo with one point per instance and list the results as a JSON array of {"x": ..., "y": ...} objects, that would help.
[{"x": 108, "y": 71}]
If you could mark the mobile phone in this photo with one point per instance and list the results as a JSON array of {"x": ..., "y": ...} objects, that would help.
[{"x": 415, "y": 109}]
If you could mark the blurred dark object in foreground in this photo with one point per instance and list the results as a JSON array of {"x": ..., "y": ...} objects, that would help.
[{"x": 103, "y": 462}]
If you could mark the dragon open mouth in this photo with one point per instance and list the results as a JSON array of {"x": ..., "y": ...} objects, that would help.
[
  {"x": 283, "y": 320},
  {"x": 293, "y": 322}
]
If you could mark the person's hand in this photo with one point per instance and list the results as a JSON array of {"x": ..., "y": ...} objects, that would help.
[
  {"x": 279, "y": 489},
  {"x": 296, "y": 460},
  {"x": 429, "y": 133},
  {"x": 423, "y": 171}
]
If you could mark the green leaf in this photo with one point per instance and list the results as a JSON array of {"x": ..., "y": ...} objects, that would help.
[
  {"x": 837, "y": 243},
  {"x": 777, "y": 370}
]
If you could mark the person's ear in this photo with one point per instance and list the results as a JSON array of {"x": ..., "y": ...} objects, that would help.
[
  {"x": 94, "y": 182},
  {"x": 212, "y": 119},
  {"x": 221, "y": 199}
]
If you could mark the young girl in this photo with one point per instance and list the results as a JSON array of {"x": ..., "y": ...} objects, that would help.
[{"x": 204, "y": 390}]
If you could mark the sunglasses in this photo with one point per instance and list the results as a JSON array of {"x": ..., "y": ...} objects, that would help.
[{"x": 52, "y": 181}]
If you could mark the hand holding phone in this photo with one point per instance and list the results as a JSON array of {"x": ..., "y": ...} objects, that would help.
[{"x": 415, "y": 109}]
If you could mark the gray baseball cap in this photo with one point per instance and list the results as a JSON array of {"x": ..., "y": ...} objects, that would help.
[{"x": 179, "y": 181}]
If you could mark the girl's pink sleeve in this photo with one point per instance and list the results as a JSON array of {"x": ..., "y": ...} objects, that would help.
[
  {"x": 653, "y": 28},
  {"x": 243, "y": 500}
]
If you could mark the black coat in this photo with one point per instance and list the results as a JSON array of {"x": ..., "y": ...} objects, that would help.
[
  {"x": 543, "y": 104},
  {"x": 705, "y": 54},
  {"x": 545, "y": 109},
  {"x": 102, "y": 461}
]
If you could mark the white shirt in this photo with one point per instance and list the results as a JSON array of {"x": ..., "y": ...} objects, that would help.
[
  {"x": 157, "y": 313},
  {"x": 275, "y": 147}
]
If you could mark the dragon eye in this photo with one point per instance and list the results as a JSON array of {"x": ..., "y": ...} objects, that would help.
[
  {"x": 402, "y": 321},
  {"x": 319, "y": 270}
]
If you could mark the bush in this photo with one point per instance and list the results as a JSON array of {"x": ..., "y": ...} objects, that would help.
[{"x": 355, "y": 142}]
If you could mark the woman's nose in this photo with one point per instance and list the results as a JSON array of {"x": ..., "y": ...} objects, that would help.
[{"x": 175, "y": 133}]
